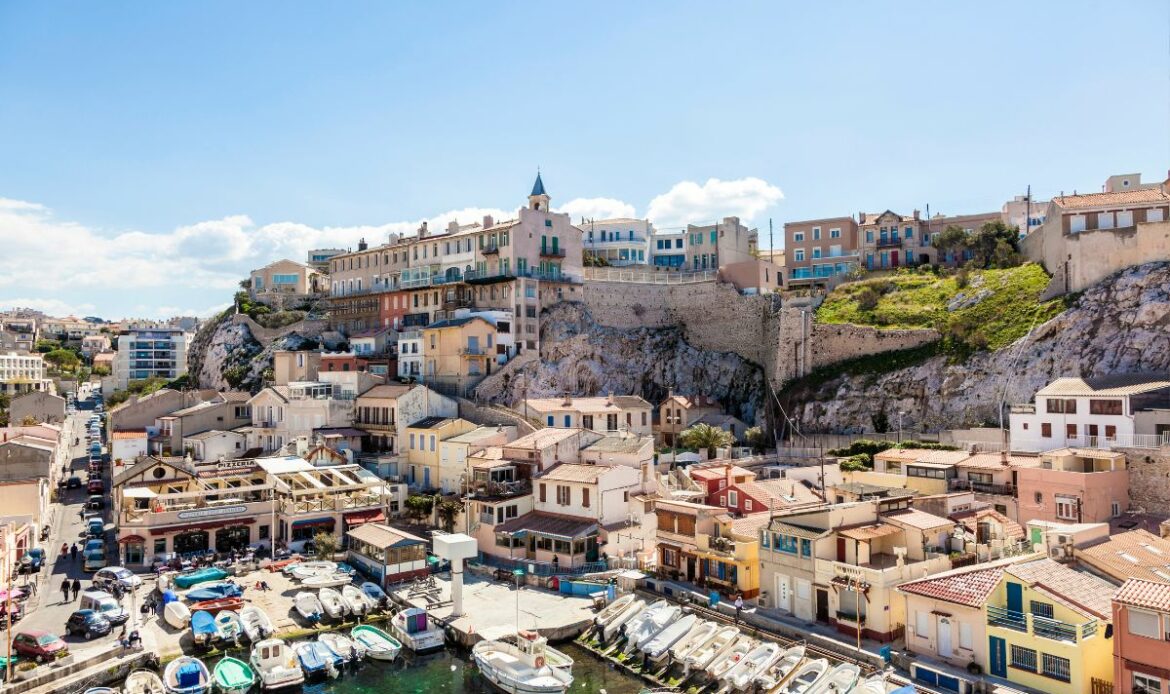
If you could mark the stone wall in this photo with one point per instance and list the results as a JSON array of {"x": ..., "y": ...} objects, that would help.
[
  {"x": 1149, "y": 479},
  {"x": 1078, "y": 261}
]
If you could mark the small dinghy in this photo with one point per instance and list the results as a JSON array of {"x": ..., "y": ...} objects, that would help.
[
  {"x": 213, "y": 591},
  {"x": 412, "y": 627},
  {"x": 378, "y": 644},
  {"x": 203, "y": 629},
  {"x": 276, "y": 664},
  {"x": 217, "y": 606},
  {"x": 256, "y": 624},
  {"x": 186, "y": 675},
  {"x": 375, "y": 593},
  {"x": 876, "y": 684},
  {"x": 702, "y": 632},
  {"x": 193, "y": 577},
  {"x": 303, "y": 569},
  {"x": 329, "y": 580},
  {"x": 342, "y": 646},
  {"x": 177, "y": 614},
  {"x": 233, "y": 676},
  {"x": 100, "y": 690},
  {"x": 756, "y": 661},
  {"x": 521, "y": 667},
  {"x": 731, "y": 657},
  {"x": 657, "y": 648},
  {"x": 653, "y": 619},
  {"x": 308, "y": 606},
  {"x": 840, "y": 679},
  {"x": 806, "y": 677},
  {"x": 614, "y": 625},
  {"x": 229, "y": 626},
  {"x": 332, "y": 603},
  {"x": 143, "y": 682},
  {"x": 704, "y": 655},
  {"x": 316, "y": 660},
  {"x": 613, "y": 609},
  {"x": 784, "y": 666},
  {"x": 354, "y": 600}
]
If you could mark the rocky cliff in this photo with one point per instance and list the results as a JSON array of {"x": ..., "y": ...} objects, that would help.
[
  {"x": 1121, "y": 325},
  {"x": 225, "y": 354}
]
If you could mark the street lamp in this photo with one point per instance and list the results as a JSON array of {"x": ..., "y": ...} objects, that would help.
[{"x": 517, "y": 573}]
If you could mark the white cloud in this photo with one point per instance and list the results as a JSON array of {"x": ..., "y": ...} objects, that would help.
[
  {"x": 690, "y": 203},
  {"x": 596, "y": 208},
  {"x": 53, "y": 307}
]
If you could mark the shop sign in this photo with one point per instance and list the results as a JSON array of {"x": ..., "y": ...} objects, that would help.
[{"x": 201, "y": 513}]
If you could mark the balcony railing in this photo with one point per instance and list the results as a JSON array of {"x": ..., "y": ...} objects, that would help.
[
  {"x": 376, "y": 426},
  {"x": 983, "y": 487},
  {"x": 472, "y": 352},
  {"x": 889, "y": 243},
  {"x": 550, "y": 252},
  {"x": 1007, "y": 619},
  {"x": 1042, "y": 627},
  {"x": 1054, "y": 629},
  {"x": 490, "y": 249}
]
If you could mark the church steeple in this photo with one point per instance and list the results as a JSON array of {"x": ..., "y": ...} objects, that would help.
[{"x": 538, "y": 199}]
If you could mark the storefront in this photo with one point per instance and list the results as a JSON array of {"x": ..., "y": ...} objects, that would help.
[
  {"x": 236, "y": 537},
  {"x": 190, "y": 542},
  {"x": 303, "y": 530},
  {"x": 133, "y": 549}
]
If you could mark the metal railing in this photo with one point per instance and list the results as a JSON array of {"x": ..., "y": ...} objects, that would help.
[
  {"x": 983, "y": 487},
  {"x": 541, "y": 568},
  {"x": 1054, "y": 629},
  {"x": 643, "y": 277},
  {"x": 1007, "y": 619}
]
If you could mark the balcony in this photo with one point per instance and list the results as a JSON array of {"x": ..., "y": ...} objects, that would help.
[
  {"x": 1007, "y": 619},
  {"x": 551, "y": 252},
  {"x": 472, "y": 352},
  {"x": 983, "y": 487},
  {"x": 376, "y": 426},
  {"x": 192, "y": 510},
  {"x": 331, "y": 503},
  {"x": 850, "y": 618},
  {"x": 1041, "y": 627},
  {"x": 889, "y": 243},
  {"x": 1023, "y": 408},
  {"x": 490, "y": 249}
]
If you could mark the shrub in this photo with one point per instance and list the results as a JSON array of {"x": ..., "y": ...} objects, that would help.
[{"x": 867, "y": 299}]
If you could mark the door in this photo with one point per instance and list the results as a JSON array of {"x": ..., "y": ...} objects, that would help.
[
  {"x": 840, "y": 549},
  {"x": 1015, "y": 597},
  {"x": 998, "y": 648},
  {"x": 894, "y": 258},
  {"x": 426, "y": 478},
  {"x": 822, "y": 605},
  {"x": 945, "y": 647},
  {"x": 783, "y": 597}
]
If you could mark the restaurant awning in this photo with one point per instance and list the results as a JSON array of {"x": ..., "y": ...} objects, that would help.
[
  {"x": 313, "y": 522},
  {"x": 131, "y": 539},
  {"x": 373, "y": 515},
  {"x": 140, "y": 493}
]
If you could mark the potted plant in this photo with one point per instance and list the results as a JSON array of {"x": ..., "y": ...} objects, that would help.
[{"x": 26, "y": 669}]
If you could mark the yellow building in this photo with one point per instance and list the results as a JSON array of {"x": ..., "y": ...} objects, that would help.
[
  {"x": 1047, "y": 626},
  {"x": 423, "y": 450},
  {"x": 459, "y": 348},
  {"x": 731, "y": 554}
]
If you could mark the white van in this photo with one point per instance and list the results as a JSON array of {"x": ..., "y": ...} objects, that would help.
[{"x": 106, "y": 604}]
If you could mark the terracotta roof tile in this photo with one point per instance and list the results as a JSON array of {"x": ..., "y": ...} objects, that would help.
[
  {"x": 918, "y": 519},
  {"x": 573, "y": 472},
  {"x": 1076, "y": 590},
  {"x": 1133, "y": 554},
  {"x": 969, "y": 587},
  {"x": 1148, "y": 594},
  {"x": 1141, "y": 196}
]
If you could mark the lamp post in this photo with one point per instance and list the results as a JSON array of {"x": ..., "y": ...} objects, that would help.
[{"x": 517, "y": 573}]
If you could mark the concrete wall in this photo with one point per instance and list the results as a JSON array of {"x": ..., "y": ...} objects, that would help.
[
  {"x": 1078, "y": 261},
  {"x": 1149, "y": 478}
]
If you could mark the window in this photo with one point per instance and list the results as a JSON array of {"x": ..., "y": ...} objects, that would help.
[
  {"x": 587, "y": 421},
  {"x": 816, "y": 231},
  {"x": 1125, "y": 219},
  {"x": 798, "y": 237},
  {"x": 1104, "y": 220},
  {"x": 644, "y": 415},
  {"x": 1076, "y": 223},
  {"x": 1056, "y": 667},
  {"x": 1144, "y": 684},
  {"x": 1105, "y": 407},
  {"x": 1046, "y": 430},
  {"x": 568, "y": 421},
  {"x": 816, "y": 252},
  {"x": 1040, "y": 609},
  {"x": 764, "y": 539},
  {"x": 834, "y": 233},
  {"x": 966, "y": 639},
  {"x": 585, "y": 497},
  {"x": 1066, "y": 509},
  {"x": 551, "y": 420},
  {"x": 747, "y": 504},
  {"x": 1143, "y": 623},
  {"x": 1062, "y": 406},
  {"x": 733, "y": 498},
  {"x": 543, "y": 496},
  {"x": 1024, "y": 658},
  {"x": 1154, "y": 214},
  {"x": 1070, "y": 431},
  {"x": 669, "y": 557},
  {"x": 785, "y": 543},
  {"x": 922, "y": 624},
  {"x": 798, "y": 255},
  {"x": 1038, "y": 497},
  {"x": 563, "y": 495}
]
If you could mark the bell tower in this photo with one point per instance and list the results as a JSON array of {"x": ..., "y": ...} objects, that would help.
[{"x": 538, "y": 199}]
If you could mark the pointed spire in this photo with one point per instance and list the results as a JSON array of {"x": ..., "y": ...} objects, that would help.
[{"x": 538, "y": 187}]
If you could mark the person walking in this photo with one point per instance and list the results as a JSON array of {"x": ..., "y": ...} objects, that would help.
[
  {"x": 738, "y": 606},
  {"x": 65, "y": 589},
  {"x": 73, "y": 552},
  {"x": 76, "y": 588}
]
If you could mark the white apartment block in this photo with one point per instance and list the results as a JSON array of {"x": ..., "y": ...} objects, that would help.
[
  {"x": 150, "y": 352},
  {"x": 410, "y": 354},
  {"x": 619, "y": 242},
  {"x": 1100, "y": 412},
  {"x": 22, "y": 373}
]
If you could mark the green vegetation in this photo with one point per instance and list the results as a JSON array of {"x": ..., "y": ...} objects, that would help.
[
  {"x": 141, "y": 387},
  {"x": 325, "y": 545},
  {"x": 859, "y": 454},
  {"x": 419, "y": 506},
  {"x": 991, "y": 308},
  {"x": 62, "y": 360},
  {"x": 700, "y": 436},
  {"x": 868, "y": 365},
  {"x": 264, "y": 315}
]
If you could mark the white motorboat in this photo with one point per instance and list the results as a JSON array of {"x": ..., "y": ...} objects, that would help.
[
  {"x": 332, "y": 603},
  {"x": 186, "y": 675},
  {"x": 327, "y": 580},
  {"x": 342, "y": 646},
  {"x": 143, "y": 682},
  {"x": 703, "y": 656},
  {"x": 731, "y": 657},
  {"x": 779, "y": 670},
  {"x": 699, "y": 635},
  {"x": 840, "y": 679},
  {"x": 177, "y": 614},
  {"x": 520, "y": 668},
  {"x": 876, "y": 684},
  {"x": 378, "y": 644},
  {"x": 304, "y": 569},
  {"x": 743, "y": 673},
  {"x": 657, "y": 648},
  {"x": 276, "y": 664},
  {"x": 308, "y": 606},
  {"x": 354, "y": 600},
  {"x": 554, "y": 658},
  {"x": 257, "y": 626},
  {"x": 613, "y": 609},
  {"x": 614, "y": 625},
  {"x": 228, "y": 625},
  {"x": 806, "y": 677},
  {"x": 653, "y": 619},
  {"x": 416, "y": 631}
]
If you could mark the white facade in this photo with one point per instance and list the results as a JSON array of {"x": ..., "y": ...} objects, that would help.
[
  {"x": 281, "y": 414},
  {"x": 214, "y": 445},
  {"x": 1093, "y": 413},
  {"x": 453, "y": 453},
  {"x": 22, "y": 373},
  {"x": 668, "y": 249},
  {"x": 127, "y": 446},
  {"x": 410, "y": 354},
  {"x": 150, "y": 353},
  {"x": 620, "y": 241},
  {"x": 602, "y": 495}
]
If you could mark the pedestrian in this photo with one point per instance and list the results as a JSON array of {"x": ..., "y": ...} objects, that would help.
[
  {"x": 153, "y": 607},
  {"x": 76, "y": 588},
  {"x": 738, "y": 606},
  {"x": 73, "y": 552},
  {"x": 65, "y": 589}
]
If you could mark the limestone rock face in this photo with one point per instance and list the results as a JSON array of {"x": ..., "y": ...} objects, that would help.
[
  {"x": 225, "y": 345},
  {"x": 1121, "y": 325}
]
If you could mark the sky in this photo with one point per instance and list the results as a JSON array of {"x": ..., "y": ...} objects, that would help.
[{"x": 151, "y": 154}]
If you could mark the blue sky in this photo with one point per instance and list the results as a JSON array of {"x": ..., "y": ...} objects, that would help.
[{"x": 153, "y": 152}]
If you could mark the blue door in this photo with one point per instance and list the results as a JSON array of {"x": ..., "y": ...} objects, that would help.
[
  {"x": 998, "y": 650},
  {"x": 1015, "y": 597},
  {"x": 426, "y": 478}
]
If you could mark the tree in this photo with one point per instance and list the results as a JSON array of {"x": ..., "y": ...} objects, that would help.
[
  {"x": 235, "y": 375},
  {"x": 448, "y": 510},
  {"x": 995, "y": 243},
  {"x": 880, "y": 421},
  {"x": 418, "y": 506},
  {"x": 755, "y": 438},
  {"x": 101, "y": 370},
  {"x": 325, "y": 544},
  {"x": 867, "y": 299},
  {"x": 63, "y": 359},
  {"x": 704, "y": 436},
  {"x": 44, "y": 346},
  {"x": 953, "y": 239}
]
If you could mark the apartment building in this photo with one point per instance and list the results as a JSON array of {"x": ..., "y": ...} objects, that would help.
[
  {"x": 922, "y": 469},
  {"x": 710, "y": 246},
  {"x": 618, "y": 242},
  {"x": 700, "y": 544},
  {"x": 39, "y": 405},
  {"x": 142, "y": 412},
  {"x": 384, "y": 411},
  {"x": 993, "y": 478},
  {"x": 215, "y": 445},
  {"x": 677, "y": 412},
  {"x": 612, "y": 413},
  {"x": 1025, "y": 213},
  {"x": 289, "y": 367},
  {"x": 1136, "y": 553},
  {"x": 281, "y": 414},
  {"x": 820, "y": 251},
  {"x": 1141, "y": 629},
  {"x": 1074, "y": 486},
  {"x": 94, "y": 344},
  {"x": 889, "y": 240},
  {"x": 150, "y": 352},
  {"x": 227, "y": 410},
  {"x": 459, "y": 352},
  {"x": 668, "y": 250},
  {"x": 318, "y": 258},
  {"x": 286, "y": 278},
  {"x": 23, "y": 373},
  {"x": 454, "y": 471},
  {"x": 1098, "y": 412},
  {"x": 423, "y": 451}
]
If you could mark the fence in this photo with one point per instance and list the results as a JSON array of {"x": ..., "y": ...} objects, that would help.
[
  {"x": 608, "y": 274},
  {"x": 541, "y": 568}
]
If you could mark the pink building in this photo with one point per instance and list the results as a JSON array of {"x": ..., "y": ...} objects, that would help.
[
  {"x": 1141, "y": 627},
  {"x": 717, "y": 477},
  {"x": 1074, "y": 485}
]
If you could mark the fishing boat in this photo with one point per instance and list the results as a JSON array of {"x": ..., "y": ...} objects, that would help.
[
  {"x": 177, "y": 614},
  {"x": 412, "y": 627},
  {"x": 276, "y": 664},
  {"x": 233, "y": 676},
  {"x": 840, "y": 679},
  {"x": 375, "y": 593},
  {"x": 256, "y": 624},
  {"x": 283, "y": 564},
  {"x": 308, "y": 606},
  {"x": 704, "y": 655},
  {"x": 354, "y": 600},
  {"x": 332, "y": 603},
  {"x": 613, "y": 609},
  {"x": 653, "y": 619},
  {"x": 316, "y": 660},
  {"x": 203, "y": 629},
  {"x": 731, "y": 657},
  {"x": 304, "y": 569},
  {"x": 552, "y": 657},
  {"x": 378, "y": 644},
  {"x": 217, "y": 606},
  {"x": 614, "y": 625},
  {"x": 657, "y": 648},
  {"x": 186, "y": 675},
  {"x": 193, "y": 577},
  {"x": 329, "y": 580},
  {"x": 806, "y": 677},
  {"x": 229, "y": 626},
  {"x": 342, "y": 646},
  {"x": 213, "y": 591},
  {"x": 759, "y": 659},
  {"x": 142, "y": 682},
  {"x": 779, "y": 670},
  {"x": 521, "y": 667},
  {"x": 699, "y": 635},
  {"x": 876, "y": 684}
]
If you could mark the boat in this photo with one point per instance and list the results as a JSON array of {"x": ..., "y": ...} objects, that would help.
[
  {"x": 177, "y": 614},
  {"x": 283, "y": 564},
  {"x": 333, "y": 580},
  {"x": 378, "y": 644},
  {"x": 203, "y": 628},
  {"x": 521, "y": 667},
  {"x": 303, "y": 569},
  {"x": 876, "y": 684},
  {"x": 213, "y": 591},
  {"x": 731, "y": 657},
  {"x": 783, "y": 666},
  {"x": 342, "y": 646},
  {"x": 217, "y": 606},
  {"x": 699, "y": 634},
  {"x": 554, "y": 658},
  {"x": 613, "y": 609},
  {"x": 657, "y": 648},
  {"x": 228, "y": 624},
  {"x": 704, "y": 655},
  {"x": 233, "y": 676},
  {"x": 186, "y": 675},
  {"x": 614, "y": 625},
  {"x": 759, "y": 659},
  {"x": 332, "y": 603},
  {"x": 316, "y": 660},
  {"x": 653, "y": 619},
  {"x": 354, "y": 600},
  {"x": 840, "y": 679},
  {"x": 275, "y": 664},
  {"x": 142, "y": 682},
  {"x": 375, "y": 593},
  {"x": 193, "y": 577},
  {"x": 415, "y": 631},
  {"x": 256, "y": 624},
  {"x": 806, "y": 677},
  {"x": 308, "y": 606},
  {"x": 101, "y": 690}
]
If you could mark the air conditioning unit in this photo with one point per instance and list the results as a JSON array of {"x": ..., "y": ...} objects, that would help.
[{"x": 1056, "y": 553}]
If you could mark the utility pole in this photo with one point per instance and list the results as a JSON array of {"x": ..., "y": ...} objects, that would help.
[
  {"x": 771, "y": 242},
  {"x": 1028, "y": 207}
]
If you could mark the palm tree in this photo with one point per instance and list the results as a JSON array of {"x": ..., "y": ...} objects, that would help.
[{"x": 700, "y": 436}]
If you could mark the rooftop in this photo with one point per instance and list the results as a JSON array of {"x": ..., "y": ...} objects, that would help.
[
  {"x": 1132, "y": 554},
  {"x": 590, "y": 404},
  {"x": 550, "y": 524},
  {"x": 921, "y": 520},
  {"x": 432, "y": 422},
  {"x": 970, "y": 586},
  {"x": 692, "y": 401},
  {"x": 995, "y": 461},
  {"x": 922, "y": 455},
  {"x": 620, "y": 444},
  {"x": 388, "y": 392},
  {"x": 876, "y": 490},
  {"x": 383, "y": 536},
  {"x": 717, "y": 472},
  {"x": 574, "y": 472},
  {"x": 475, "y": 435},
  {"x": 1114, "y": 385},
  {"x": 1140, "y": 196},
  {"x": 1148, "y": 594},
  {"x": 1076, "y": 590},
  {"x": 779, "y": 493},
  {"x": 544, "y": 437}
]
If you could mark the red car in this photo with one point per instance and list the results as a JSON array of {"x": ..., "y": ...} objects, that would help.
[
  {"x": 39, "y": 645},
  {"x": 95, "y": 487}
]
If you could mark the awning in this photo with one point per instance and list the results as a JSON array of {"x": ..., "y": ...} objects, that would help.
[
  {"x": 140, "y": 493},
  {"x": 373, "y": 515},
  {"x": 866, "y": 533},
  {"x": 210, "y": 525},
  {"x": 314, "y": 522},
  {"x": 131, "y": 539}
]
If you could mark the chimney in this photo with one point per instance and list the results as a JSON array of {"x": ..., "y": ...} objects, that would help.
[
  {"x": 567, "y": 401},
  {"x": 422, "y": 231},
  {"x": 488, "y": 221},
  {"x": 609, "y": 397},
  {"x": 1003, "y": 458},
  {"x": 916, "y": 213},
  {"x": 362, "y": 245},
  {"x": 452, "y": 226}
]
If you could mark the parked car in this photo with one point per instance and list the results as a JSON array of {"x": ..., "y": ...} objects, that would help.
[
  {"x": 95, "y": 487},
  {"x": 88, "y": 623},
  {"x": 95, "y": 543},
  {"x": 32, "y": 561},
  {"x": 107, "y": 577},
  {"x": 106, "y": 604},
  {"x": 94, "y": 559},
  {"x": 95, "y": 527},
  {"x": 96, "y": 501},
  {"x": 41, "y": 646},
  {"x": 73, "y": 483}
]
